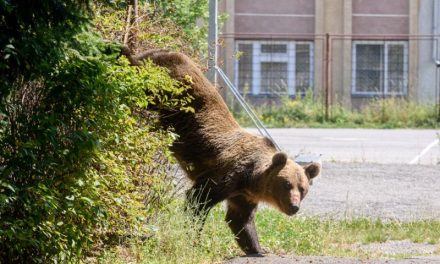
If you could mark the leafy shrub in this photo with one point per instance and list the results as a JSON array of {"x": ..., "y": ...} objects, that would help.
[
  {"x": 162, "y": 24},
  {"x": 32, "y": 33},
  {"x": 135, "y": 162},
  {"x": 83, "y": 162},
  {"x": 79, "y": 151},
  {"x": 186, "y": 14}
]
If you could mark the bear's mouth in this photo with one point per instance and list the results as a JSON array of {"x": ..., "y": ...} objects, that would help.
[{"x": 292, "y": 209}]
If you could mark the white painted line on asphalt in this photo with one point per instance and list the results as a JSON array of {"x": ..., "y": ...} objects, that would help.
[
  {"x": 424, "y": 151},
  {"x": 343, "y": 139}
]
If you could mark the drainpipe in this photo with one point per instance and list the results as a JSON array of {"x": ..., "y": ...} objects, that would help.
[
  {"x": 435, "y": 14},
  {"x": 212, "y": 41}
]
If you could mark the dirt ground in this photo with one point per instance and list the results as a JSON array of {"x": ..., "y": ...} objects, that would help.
[
  {"x": 326, "y": 260},
  {"x": 385, "y": 191}
]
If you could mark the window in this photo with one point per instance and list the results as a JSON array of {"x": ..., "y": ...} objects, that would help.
[
  {"x": 303, "y": 67},
  {"x": 274, "y": 77},
  {"x": 245, "y": 67},
  {"x": 274, "y": 67},
  {"x": 380, "y": 67}
]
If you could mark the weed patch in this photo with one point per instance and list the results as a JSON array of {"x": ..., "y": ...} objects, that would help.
[
  {"x": 176, "y": 240},
  {"x": 310, "y": 112}
]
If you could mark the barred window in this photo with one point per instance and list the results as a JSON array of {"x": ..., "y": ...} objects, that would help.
[
  {"x": 303, "y": 67},
  {"x": 380, "y": 67},
  {"x": 274, "y": 67},
  {"x": 245, "y": 68},
  {"x": 274, "y": 77},
  {"x": 273, "y": 48}
]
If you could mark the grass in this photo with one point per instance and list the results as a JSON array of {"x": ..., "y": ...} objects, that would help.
[
  {"x": 314, "y": 236},
  {"x": 309, "y": 112},
  {"x": 174, "y": 239}
]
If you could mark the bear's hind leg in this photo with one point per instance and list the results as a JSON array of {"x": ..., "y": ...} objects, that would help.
[{"x": 240, "y": 217}]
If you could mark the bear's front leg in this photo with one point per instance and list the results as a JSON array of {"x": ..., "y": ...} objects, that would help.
[
  {"x": 240, "y": 217},
  {"x": 202, "y": 197}
]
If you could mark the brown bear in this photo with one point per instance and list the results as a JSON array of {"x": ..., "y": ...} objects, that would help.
[{"x": 224, "y": 161}]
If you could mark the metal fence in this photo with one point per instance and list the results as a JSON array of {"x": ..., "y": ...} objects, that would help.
[{"x": 343, "y": 70}]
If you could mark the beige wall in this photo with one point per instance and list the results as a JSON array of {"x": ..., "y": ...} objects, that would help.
[
  {"x": 275, "y": 7},
  {"x": 344, "y": 17},
  {"x": 413, "y": 48},
  {"x": 396, "y": 7},
  {"x": 334, "y": 17},
  {"x": 364, "y": 17},
  {"x": 381, "y": 16},
  {"x": 227, "y": 44},
  {"x": 265, "y": 17}
]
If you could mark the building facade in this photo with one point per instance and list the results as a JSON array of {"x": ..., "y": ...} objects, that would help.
[{"x": 348, "y": 50}]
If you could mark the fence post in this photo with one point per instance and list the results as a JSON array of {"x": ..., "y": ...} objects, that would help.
[
  {"x": 438, "y": 90},
  {"x": 327, "y": 77},
  {"x": 438, "y": 105},
  {"x": 212, "y": 41},
  {"x": 437, "y": 85}
]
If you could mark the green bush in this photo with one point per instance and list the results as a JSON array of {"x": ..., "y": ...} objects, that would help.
[
  {"x": 32, "y": 33},
  {"x": 163, "y": 26},
  {"x": 186, "y": 14},
  {"x": 82, "y": 160}
]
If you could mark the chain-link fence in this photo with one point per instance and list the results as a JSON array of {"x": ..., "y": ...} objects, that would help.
[{"x": 347, "y": 71}]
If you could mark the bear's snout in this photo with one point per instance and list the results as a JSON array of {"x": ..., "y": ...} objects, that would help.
[
  {"x": 296, "y": 200},
  {"x": 293, "y": 209}
]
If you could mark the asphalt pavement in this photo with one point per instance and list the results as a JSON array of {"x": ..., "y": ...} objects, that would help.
[
  {"x": 384, "y": 146},
  {"x": 373, "y": 173},
  {"x": 378, "y": 173},
  {"x": 387, "y": 191}
]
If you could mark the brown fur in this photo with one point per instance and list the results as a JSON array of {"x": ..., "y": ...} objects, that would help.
[{"x": 224, "y": 161}]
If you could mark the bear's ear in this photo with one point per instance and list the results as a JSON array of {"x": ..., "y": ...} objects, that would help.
[
  {"x": 279, "y": 160},
  {"x": 312, "y": 170}
]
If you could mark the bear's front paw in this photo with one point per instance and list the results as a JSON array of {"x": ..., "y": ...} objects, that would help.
[
  {"x": 258, "y": 253},
  {"x": 254, "y": 255}
]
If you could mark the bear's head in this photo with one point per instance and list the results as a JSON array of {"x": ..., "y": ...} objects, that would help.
[{"x": 287, "y": 183}]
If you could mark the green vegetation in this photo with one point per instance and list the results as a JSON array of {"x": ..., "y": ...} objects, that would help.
[
  {"x": 279, "y": 234},
  {"x": 83, "y": 162},
  {"x": 85, "y": 170},
  {"x": 314, "y": 236},
  {"x": 176, "y": 240},
  {"x": 310, "y": 112},
  {"x": 186, "y": 14},
  {"x": 161, "y": 24},
  {"x": 79, "y": 150}
]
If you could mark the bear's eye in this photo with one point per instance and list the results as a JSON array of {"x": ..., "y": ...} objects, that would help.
[{"x": 288, "y": 185}]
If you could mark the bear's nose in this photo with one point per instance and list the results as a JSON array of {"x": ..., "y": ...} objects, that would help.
[
  {"x": 293, "y": 209},
  {"x": 296, "y": 200}
]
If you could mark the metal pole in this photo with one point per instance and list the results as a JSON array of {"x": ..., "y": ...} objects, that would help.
[
  {"x": 437, "y": 88},
  {"x": 249, "y": 111},
  {"x": 212, "y": 41},
  {"x": 438, "y": 95},
  {"x": 327, "y": 76}
]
